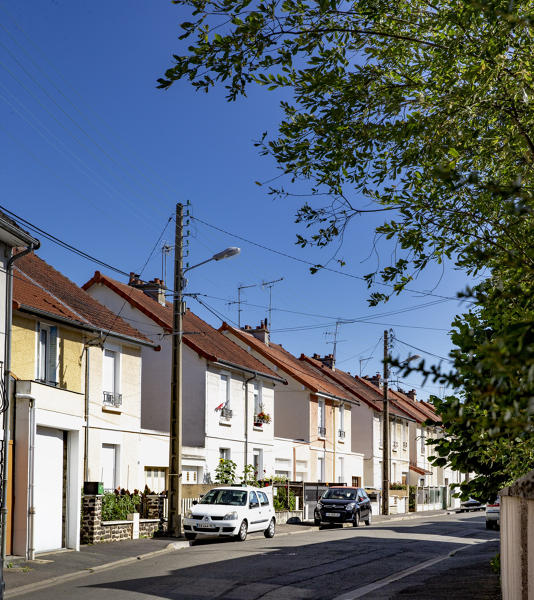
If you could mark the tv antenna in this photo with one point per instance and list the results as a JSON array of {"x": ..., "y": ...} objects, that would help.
[
  {"x": 335, "y": 341},
  {"x": 238, "y": 301},
  {"x": 165, "y": 251},
  {"x": 270, "y": 284}
]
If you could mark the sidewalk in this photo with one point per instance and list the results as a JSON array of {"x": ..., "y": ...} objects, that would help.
[{"x": 54, "y": 567}]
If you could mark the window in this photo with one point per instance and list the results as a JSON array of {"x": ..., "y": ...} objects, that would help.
[
  {"x": 342, "y": 421},
  {"x": 253, "y": 500},
  {"x": 422, "y": 443},
  {"x": 320, "y": 419},
  {"x": 258, "y": 408},
  {"x": 111, "y": 378},
  {"x": 109, "y": 466},
  {"x": 380, "y": 432},
  {"x": 156, "y": 478},
  {"x": 320, "y": 468},
  {"x": 264, "y": 500},
  {"x": 224, "y": 453},
  {"x": 47, "y": 358},
  {"x": 224, "y": 396},
  {"x": 257, "y": 462},
  {"x": 341, "y": 469}
]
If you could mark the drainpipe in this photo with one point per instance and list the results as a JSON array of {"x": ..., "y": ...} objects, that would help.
[
  {"x": 7, "y": 392},
  {"x": 30, "y": 536},
  {"x": 86, "y": 418},
  {"x": 247, "y": 381},
  {"x": 334, "y": 439}
]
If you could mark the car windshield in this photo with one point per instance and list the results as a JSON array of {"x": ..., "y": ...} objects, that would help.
[
  {"x": 337, "y": 494},
  {"x": 230, "y": 497}
]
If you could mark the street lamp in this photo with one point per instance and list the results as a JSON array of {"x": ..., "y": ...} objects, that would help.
[
  {"x": 385, "y": 427},
  {"x": 175, "y": 430}
]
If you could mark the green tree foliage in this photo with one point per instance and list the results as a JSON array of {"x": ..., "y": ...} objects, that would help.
[
  {"x": 423, "y": 110},
  {"x": 225, "y": 471}
]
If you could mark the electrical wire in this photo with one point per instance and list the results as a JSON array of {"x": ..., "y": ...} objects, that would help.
[
  {"x": 307, "y": 262},
  {"x": 424, "y": 351}
]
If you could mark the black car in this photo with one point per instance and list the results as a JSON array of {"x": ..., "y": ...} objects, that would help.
[{"x": 343, "y": 505}]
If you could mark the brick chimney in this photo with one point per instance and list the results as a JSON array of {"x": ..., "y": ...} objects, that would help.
[
  {"x": 412, "y": 394},
  {"x": 327, "y": 360},
  {"x": 155, "y": 288},
  {"x": 260, "y": 333}
]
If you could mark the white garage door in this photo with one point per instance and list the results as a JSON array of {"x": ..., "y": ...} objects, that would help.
[{"x": 48, "y": 500}]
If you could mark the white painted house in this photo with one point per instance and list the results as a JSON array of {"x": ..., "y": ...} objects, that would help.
[
  {"x": 77, "y": 401},
  {"x": 313, "y": 424},
  {"x": 224, "y": 388}
]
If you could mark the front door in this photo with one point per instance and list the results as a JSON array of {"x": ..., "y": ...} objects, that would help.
[{"x": 49, "y": 489}]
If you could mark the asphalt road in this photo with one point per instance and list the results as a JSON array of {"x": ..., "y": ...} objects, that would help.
[{"x": 440, "y": 557}]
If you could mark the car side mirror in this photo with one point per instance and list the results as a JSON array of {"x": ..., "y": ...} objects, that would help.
[{"x": 194, "y": 502}]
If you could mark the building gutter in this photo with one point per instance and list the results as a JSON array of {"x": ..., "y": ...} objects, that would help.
[
  {"x": 91, "y": 328},
  {"x": 339, "y": 398},
  {"x": 34, "y": 245}
]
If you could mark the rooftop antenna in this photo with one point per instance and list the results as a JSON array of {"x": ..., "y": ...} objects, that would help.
[
  {"x": 270, "y": 285},
  {"x": 335, "y": 341},
  {"x": 238, "y": 301},
  {"x": 367, "y": 358}
]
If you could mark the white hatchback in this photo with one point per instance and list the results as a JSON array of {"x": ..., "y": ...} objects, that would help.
[{"x": 231, "y": 511}]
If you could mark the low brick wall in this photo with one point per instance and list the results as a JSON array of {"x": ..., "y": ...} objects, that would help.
[{"x": 94, "y": 530}]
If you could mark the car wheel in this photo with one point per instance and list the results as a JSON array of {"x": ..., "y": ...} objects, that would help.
[
  {"x": 242, "y": 533},
  {"x": 190, "y": 536},
  {"x": 269, "y": 532},
  {"x": 369, "y": 519},
  {"x": 356, "y": 519}
]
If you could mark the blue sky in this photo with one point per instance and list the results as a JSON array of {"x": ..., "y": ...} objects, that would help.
[{"x": 97, "y": 156}]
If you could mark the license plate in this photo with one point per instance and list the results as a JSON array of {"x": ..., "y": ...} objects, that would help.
[
  {"x": 205, "y": 525},
  {"x": 332, "y": 514}
]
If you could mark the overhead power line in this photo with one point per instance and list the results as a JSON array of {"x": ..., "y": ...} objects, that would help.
[{"x": 309, "y": 263}]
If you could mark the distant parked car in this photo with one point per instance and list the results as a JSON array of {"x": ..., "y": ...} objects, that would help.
[
  {"x": 342, "y": 505},
  {"x": 231, "y": 512},
  {"x": 471, "y": 504},
  {"x": 493, "y": 514}
]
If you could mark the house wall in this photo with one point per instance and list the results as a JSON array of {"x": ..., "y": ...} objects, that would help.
[{"x": 23, "y": 347}]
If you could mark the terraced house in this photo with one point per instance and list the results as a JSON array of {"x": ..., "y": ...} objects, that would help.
[{"x": 77, "y": 399}]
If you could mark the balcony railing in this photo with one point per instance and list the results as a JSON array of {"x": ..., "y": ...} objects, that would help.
[
  {"x": 341, "y": 434},
  {"x": 395, "y": 446},
  {"x": 226, "y": 413},
  {"x": 404, "y": 445},
  {"x": 321, "y": 431},
  {"x": 111, "y": 399}
]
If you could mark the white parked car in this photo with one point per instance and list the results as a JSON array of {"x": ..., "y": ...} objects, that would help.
[
  {"x": 231, "y": 511},
  {"x": 493, "y": 514}
]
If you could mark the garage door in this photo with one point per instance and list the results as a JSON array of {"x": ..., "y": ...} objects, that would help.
[{"x": 48, "y": 474}]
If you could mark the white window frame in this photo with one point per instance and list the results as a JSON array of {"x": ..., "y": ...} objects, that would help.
[
  {"x": 118, "y": 367},
  {"x": 221, "y": 375},
  {"x": 48, "y": 376},
  {"x": 258, "y": 397},
  {"x": 225, "y": 454},
  {"x": 116, "y": 466},
  {"x": 341, "y": 469},
  {"x": 258, "y": 452},
  {"x": 321, "y": 417},
  {"x": 342, "y": 417},
  {"x": 321, "y": 469}
]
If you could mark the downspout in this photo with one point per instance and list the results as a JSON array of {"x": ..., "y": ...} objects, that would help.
[
  {"x": 30, "y": 536},
  {"x": 7, "y": 392},
  {"x": 86, "y": 418},
  {"x": 246, "y": 382},
  {"x": 334, "y": 439}
]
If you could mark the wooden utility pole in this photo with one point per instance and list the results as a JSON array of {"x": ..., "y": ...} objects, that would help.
[
  {"x": 175, "y": 442},
  {"x": 385, "y": 431}
]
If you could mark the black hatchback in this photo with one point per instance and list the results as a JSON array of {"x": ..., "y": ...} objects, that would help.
[{"x": 343, "y": 505}]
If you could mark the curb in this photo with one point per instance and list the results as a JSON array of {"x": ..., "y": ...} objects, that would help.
[{"x": 23, "y": 589}]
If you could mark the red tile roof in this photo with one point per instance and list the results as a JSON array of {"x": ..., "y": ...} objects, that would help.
[
  {"x": 38, "y": 286},
  {"x": 211, "y": 344},
  {"x": 372, "y": 396},
  {"x": 304, "y": 373}
]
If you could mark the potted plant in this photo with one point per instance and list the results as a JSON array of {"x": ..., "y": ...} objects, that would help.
[{"x": 262, "y": 417}]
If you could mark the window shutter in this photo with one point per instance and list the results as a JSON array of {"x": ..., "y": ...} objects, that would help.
[{"x": 52, "y": 356}]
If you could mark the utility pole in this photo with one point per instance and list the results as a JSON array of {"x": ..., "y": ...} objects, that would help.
[
  {"x": 175, "y": 441},
  {"x": 385, "y": 432}
]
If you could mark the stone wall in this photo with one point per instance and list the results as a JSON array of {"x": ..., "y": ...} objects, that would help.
[{"x": 94, "y": 530}]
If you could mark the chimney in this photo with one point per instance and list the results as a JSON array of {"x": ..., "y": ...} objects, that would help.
[
  {"x": 412, "y": 395},
  {"x": 327, "y": 360},
  {"x": 375, "y": 379},
  {"x": 260, "y": 333},
  {"x": 155, "y": 288}
]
